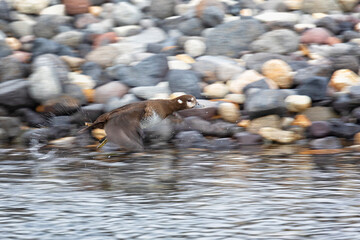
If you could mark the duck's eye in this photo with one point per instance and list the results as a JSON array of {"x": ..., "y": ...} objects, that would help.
[{"x": 189, "y": 100}]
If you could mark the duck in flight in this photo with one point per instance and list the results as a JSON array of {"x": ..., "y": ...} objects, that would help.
[{"x": 124, "y": 125}]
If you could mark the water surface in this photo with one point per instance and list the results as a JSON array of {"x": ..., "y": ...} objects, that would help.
[{"x": 170, "y": 194}]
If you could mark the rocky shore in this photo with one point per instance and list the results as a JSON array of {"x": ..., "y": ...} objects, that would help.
[{"x": 276, "y": 71}]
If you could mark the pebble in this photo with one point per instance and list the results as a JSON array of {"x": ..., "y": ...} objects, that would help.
[
  {"x": 278, "y": 71},
  {"x": 272, "y": 121},
  {"x": 104, "y": 55},
  {"x": 215, "y": 90},
  {"x": 326, "y": 143},
  {"x": 344, "y": 78},
  {"x": 278, "y": 135},
  {"x": 109, "y": 90},
  {"x": 194, "y": 47},
  {"x": 74, "y": 7},
  {"x": 30, "y": 6},
  {"x": 320, "y": 113},
  {"x": 297, "y": 103},
  {"x": 229, "y": 112},
  {"x": 237, "y": 84}
]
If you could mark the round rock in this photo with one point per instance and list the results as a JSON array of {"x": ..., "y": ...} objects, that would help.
[
  {"x": 194, "y": 47},
  {"x": 297, "y": 103},
  {"x": 279, "y": 71}
]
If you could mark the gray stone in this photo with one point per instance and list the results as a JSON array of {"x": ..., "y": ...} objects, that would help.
[
  {"x": 47, "y": 26},
  {"x": 212, "y": 16},
  {"x": 190, "y": 139},
  {"x": 148, "y": 92},
  {"x": 162, "y": 8},
  {"x": 150, "y": 35},
  {"x": 109, "y": 90},
  {"x": 255, "y": 61},
  {"x": 280, "y": 41},
  {"x": 11, "y": 125},
  {"x": 126, "y": 14},
  {"x": 191, "y": 27},
  {"x": 233, "y": 37},
  {"x": 69, "y": 38},
  {"x": 11, "y": 69},
  {"x": 320, "y": 6},
  {"x": 14, "y": 94},
  {"x": 246, "y": 138},
  {"x": 184, "y": 81},
  {"x": 117, "y": 102},
  {"x": 326, "y": 143},
  {"x": 22, "y": 28},
  {"x": 5, "y": 50}
]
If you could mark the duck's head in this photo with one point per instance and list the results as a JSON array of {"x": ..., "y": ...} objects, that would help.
[{"x": 185, "y": 102}]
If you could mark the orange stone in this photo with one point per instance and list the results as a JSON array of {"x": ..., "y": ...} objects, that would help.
[
  {"x": 357, "y": 139},
  {"x": 278, "y": 71},
  {"x": 98, "y": 133},
  {"x": 343, "y": 78},
  {"x": 185, "y": 58},
  {"x": 95, "y": 10},
  {"x": 301, "y": 120},
  {"x": 244, "y": 123},
  {"x": 13, "y": 43},
  {"x": 89, "y": 94}
]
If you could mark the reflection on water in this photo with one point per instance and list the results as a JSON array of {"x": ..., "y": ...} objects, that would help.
[{"x": 169, "y": 194}]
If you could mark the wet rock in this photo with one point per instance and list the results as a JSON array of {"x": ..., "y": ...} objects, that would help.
[
  {"x": 148, "y": 72},
  {"x": 162, "y": 8},
  {"x": 255, "y": 125},
  {"x": 186, "y": 81},
  {"x": 31, "y": 118},
  {"x": 316, "y": 35},
  {"x": 320, "y": 113},
  {"x": 30, "y": 6},
  {"x": 215, "y": 90},
  {"x": 278, "y": 71},
  {"x": 3, "y": 137},
  {"x": 34, "y": 136},
  {"x": 343, "y": 130},
  {"x": 229, "y": 112},
  {"x": 14, "y": 94},
  {"x": 280, "y": 41},
  {"x": 13, "y": 43},
  {"x": 47, "y": 26},
  {"x": 228, "y": 38},
  {"x": 246, "y": 138},
  {"x": 194, "y": 123},
  {"x": 109, "y": 90},
  {"x": 116, "y": 102},
  {"x": 148, "y": 92},
  {"x": 81, "y": 80},
  {"x": 3, "y": 111},
  {"x": 255, "y": 61},
  {"x": 11, "y": 125},
  {"x": 194, "y": 47},
  {"x": 278, "y": 135},
  {"x": 314, "y": 87},
  {"x": 235, "y": 98},
  {"x": 11, "y": 69},
  {"x": 65, "y": 142},
  {"x": 75, "y": 91},
  {"x": 222, "y": 144},
  {"x": 74, "y": 7},
  {"x": 319, "y": 129},
  {"x": 104, "y": 55},
  {"x": 191, "y": 27},
  {"x": 275, "y": 104},
  {"x": 206, "y": 69},
  {"x": 297, "y": 103},
  {"x": 223, "y": 129},
  {"x": 205, "y": 113},
  {"x": 344, "y": 78},
  {"x": 104, "y": 39},
  {"x": 126, "y": 14},
  {"x": 190, "y": 139},
  {"x": 326, "y": 143}
]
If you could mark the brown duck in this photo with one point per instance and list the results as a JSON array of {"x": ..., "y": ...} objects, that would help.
[{"x": 124, "y": 125}]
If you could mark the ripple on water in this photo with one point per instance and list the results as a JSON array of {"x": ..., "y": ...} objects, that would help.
[{"x": 168, "y": 194}]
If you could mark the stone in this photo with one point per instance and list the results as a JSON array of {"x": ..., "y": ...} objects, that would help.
[
  {"x": 246, "y": 139},
  {"x": 184, "y": 81},
  {"x": 316, "y": 35},
  {"x": 147, "y": 36},
  {"x": 205, "y": 113},
  {"x": 162, "y": 8},
  {"x": 178, "y": 64},
  {"x": 343, "y": 130},
  {"x": 302, "y": 75},
  {"x": 329, "y": 23},
  {"x": 211, "y": 12},
  {"x": 319, "y": 113},
  {"x": 326, "y": 143},
  {"x": 30, "y": 6},
  {"x": 5, "y": 50},
  {"x": 297, "y": 103},
  {"x": 65, "y": 142},
  {"x": 88, "y": 113},
  {"x": 236, "y": 98},
  {"x": 69, "y": 38},
  {"x": 61, "y": 105},
  {"x": 229, "y": 112},
  {"x": 83, "y": 20},
  {"x": 95, "y": 10},
  {"x": 13, "y": 43},
  {"x": 3, "y": 137},
  {"x": 21, "y": 56},
  {"x": 47, "y": 26},
  {"x": 225, "y": 72},
  {"x": 269, "y": 17},
  {"x": 126, "y": 31},
  {"x": 14, "y": 94},
  {"x": 255, "y": 61},
  {"x": 231, "y": 38},
  {"x": 215, "y": 90},
  {"x": 274, "y": 104},
  {"x": 100, "y": 27},
  {"x": 191, "y": 27},
  {"x": 319, "y": 129},
  {"x": 320, "y": 6},
  {"x": 31, "y": 118},
  {"x": 74, "y": 63},
  {"x": 5, "y": 11},
  {"x": 148, "y": 72},
  {"x": 314, "y": 87},
  {"x": 11, "y": 125},
  {"x": 206, "y": 69},
  {"x": 22, "y": 28},
  {"x": 194, "y": 47},
  {"x": 35, "y": 136},
  {"x": 11, "y": 68},
  {"x": 116, "y": 102},
  {"x": 279, "y": 41},
  {"x": 58, "y": 9},
  {"x": 272, "y": 121},
  {"x": 92, "y": 69},
  {"x": 260, "y": 84},
  {"x": 74, "y": 7},
  {"x": 55, "y": 63},
  {"x": 347, "y": 5},
  {"x": 278, "y": 135},
  {"x": 104, "y": 55},
  {"x": 149, "y": 92},
  {"x": 81, "y": 80},
  {"x": 190, "y": 139},
  {"x": 43, "y": 46},
  {"x": 238, "y": 82},
  {"x": 301, "y": 121},
  {"x": 109, "y": 90},
  {"x": 344, "y": 78},
  {"x": 125, "y": 13},
  {"x": 104, "y": 39},
  {"x": 278, "y": 71},
  {"x": 346, "y": 62}
]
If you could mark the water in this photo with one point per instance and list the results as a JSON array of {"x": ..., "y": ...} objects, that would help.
[{"x": 169, "y": 194}]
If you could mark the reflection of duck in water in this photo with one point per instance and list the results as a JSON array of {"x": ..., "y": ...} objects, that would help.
[{"x": 124, "y": 125}]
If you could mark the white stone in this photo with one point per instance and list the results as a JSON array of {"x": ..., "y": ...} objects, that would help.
[
  {"x": 297, "y": 103},
  {"x": 215, "y": 90},
  {"x": 30, "y": 6},
  {"x": 194, "y": 47},
  {"x": 277, "y": 17},
  {"x": 150, "y": 35},
  {"x": 125, "y": 31},
  {"x": 83, "y": 81},
  {"x": 229, "y": 112},
  {"x": 180, "y": 65},
  {"x": 126, "y": 14},
  {"x": 58, "y": 9}
]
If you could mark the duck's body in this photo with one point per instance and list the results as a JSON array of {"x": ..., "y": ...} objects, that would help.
[{"x": 124, "y": 125}]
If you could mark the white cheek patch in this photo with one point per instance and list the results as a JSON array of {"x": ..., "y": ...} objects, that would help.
[
  {"x": 180, "y": 101},
  {"x": 190, "y": 104}
]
